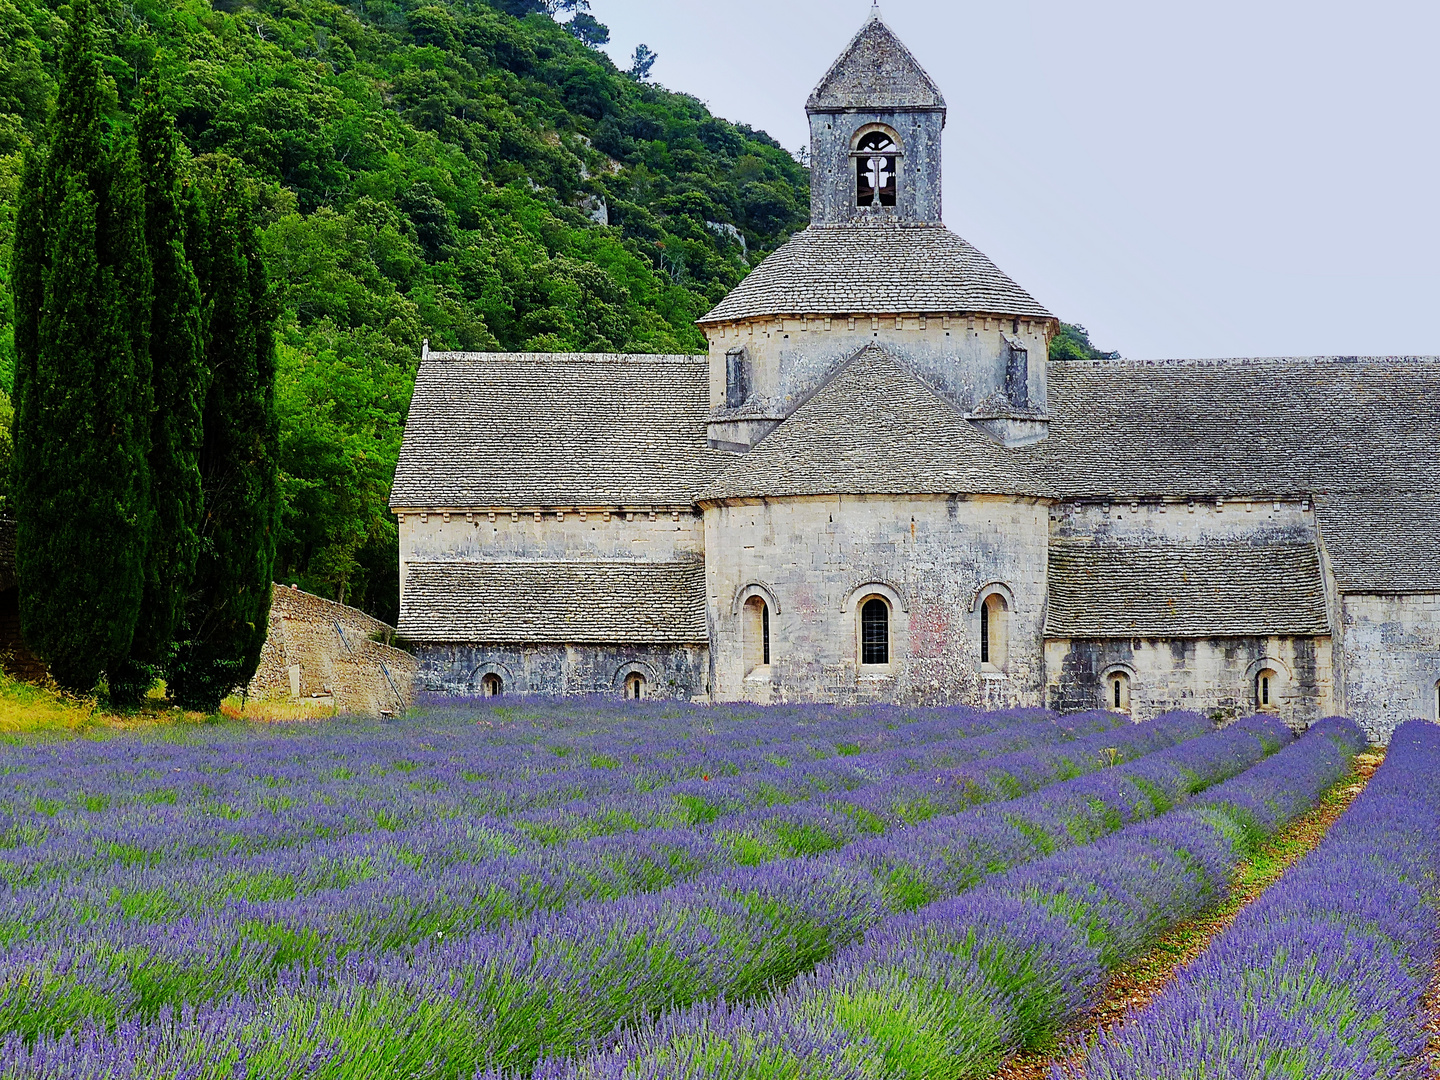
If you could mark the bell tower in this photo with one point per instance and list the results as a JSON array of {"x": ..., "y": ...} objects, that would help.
[{"x": 876, "y": 121}]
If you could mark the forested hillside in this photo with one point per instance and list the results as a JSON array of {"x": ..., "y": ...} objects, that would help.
[{"x": 427, "y": 169}]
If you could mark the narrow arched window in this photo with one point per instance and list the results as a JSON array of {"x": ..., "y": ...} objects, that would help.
[
  {"x": 875, "y": 632},
  {"x": 1117, "y": 691},
  {"x": 757, "y": 634},
  {"x": 492, "y": 686},
  {"x": 635, "y": 686},
  {"x": 875, "y": 167},
  {"x": 1265, "y": 688},
  {"x": 994, "y": 636}
]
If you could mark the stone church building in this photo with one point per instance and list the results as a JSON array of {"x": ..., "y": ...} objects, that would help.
[{"x": 877, "y": 487}]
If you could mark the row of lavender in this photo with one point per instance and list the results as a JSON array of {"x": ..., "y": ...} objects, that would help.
[
  {"x": 473, "y": 870},
  {"x": 947, "y": 991},
  {"x": 457, "y": 998},
  {"x": 146, "y": 802},
  {"x": 1324, "y": 977}
]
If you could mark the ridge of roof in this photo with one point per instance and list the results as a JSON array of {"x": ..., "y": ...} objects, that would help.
[
  {"x": 1243, "y": 361},
  {"x": 875, "y": 270},
  {"x": 564, "y": 358},
  {"x": 875, "y": 71},
  {"x": 875, "y": 428}
]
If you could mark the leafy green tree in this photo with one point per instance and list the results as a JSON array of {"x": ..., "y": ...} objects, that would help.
[
  {"x": 82, "y": 284},
  {"x": 642, "y": 62},
  {"x": 1073, "y": 343},
  {"x": 228, "y": 612},
  {"x": 178, "y": 394}
]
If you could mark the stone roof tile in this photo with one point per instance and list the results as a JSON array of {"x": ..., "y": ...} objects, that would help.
[
  {"x": 540, "y": 429},
  {"x": 868, "y": 269},
  {"x": 875, "y": 72},
  {"x": 874, "y": 428},
  {"x": 1168, "y": 590},
  {"x": 559, "y": 602}
]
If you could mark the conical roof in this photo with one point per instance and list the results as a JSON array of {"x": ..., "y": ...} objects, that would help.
[
  {"x": 875, "y": 270},
  {"x": 875, "y": 429},
  {"x": 875, "y": 72}
]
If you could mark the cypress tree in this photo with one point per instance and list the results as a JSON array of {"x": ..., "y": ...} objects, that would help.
[
  {"x": 80, "y": 487},
  {"x": 178, "y": 389},
  {"x": 228, "y": 612}
]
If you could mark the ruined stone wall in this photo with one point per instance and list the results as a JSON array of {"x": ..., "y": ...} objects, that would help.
[
  {"x": 1206, "y": 675},
  {"x": 670, "y": 671},
  {"x": 817, "y": 558},
  {"x": 1390, "y": 656},
  {"x": 321, "y": 650}
]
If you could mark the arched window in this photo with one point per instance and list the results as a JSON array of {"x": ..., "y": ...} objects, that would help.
[
  {"x": 1266, "y": 685},
  {"x": 994, "y": 636},
  {"x": 635, "y": 686},
  {"x": 874, "y": 632},
  {"x": 492, "y": 686},
  {"x": 875, "y": 167},
  {"x": 1117, "y": 691},
  {"x": 757, "y": 634}
]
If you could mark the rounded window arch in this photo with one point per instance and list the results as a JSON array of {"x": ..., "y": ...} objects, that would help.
[
  {"x": 876, "y": 150},
  {"x": 995, "y": 631},
  {"x": 491, "y": 685},
  {"x": 637, "y": 687},
  {"x": 1435, "y": 702},
  {"x": 1115, "y": 687},
  {"x": 1267, "y": 686},
  {"x": 874, "y": 631},
  {"x": 756, "y": 632}
]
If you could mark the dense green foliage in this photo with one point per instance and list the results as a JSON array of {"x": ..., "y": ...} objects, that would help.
[
  {"x": 82, "y": 378},
  {"x": 228, "y": 612},
  {"x": 178, "y": 383},
  {"x": 427, "y": 169},
  {"x": 1073, "y": 343}
]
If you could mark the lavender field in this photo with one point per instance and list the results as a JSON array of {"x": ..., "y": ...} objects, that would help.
[{"x": 585, "y": 890}]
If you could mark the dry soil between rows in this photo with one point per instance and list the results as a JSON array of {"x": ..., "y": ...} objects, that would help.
[{"x": 1132, "y": 987}]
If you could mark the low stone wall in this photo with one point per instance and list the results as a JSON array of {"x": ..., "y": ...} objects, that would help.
[
  {"x": 320, "y": 650},
  {"x": 667, "y": 671}
]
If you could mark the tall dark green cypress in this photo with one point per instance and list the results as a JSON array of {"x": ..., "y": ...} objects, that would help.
[
  {"x": 228, "y": 612},
  {"x": 178, "y": 390},
  {"x": 82, "y": 404}
]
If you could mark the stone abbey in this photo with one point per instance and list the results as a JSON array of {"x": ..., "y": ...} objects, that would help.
[{"x": 877, "y": 487}]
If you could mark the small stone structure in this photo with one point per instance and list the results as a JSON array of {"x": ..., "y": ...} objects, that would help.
[{"x": 322, "y": 651}]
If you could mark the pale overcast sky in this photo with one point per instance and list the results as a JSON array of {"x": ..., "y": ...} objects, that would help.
[{"x": 1233, "y": 178}]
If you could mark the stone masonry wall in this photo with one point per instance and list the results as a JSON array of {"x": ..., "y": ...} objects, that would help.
[
  {"x": 319, "y": 649},
  {"x": 817, "y": 558},
  {"x": 832, "y": 169},
  {"x": 959, "y": 356},
  {"x": 1205, "y": 675},
  {"x": 671, "y": 671},
  {"x": 1390, "y": 655}
]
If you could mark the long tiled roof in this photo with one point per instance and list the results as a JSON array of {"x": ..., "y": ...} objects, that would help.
[
  {"x": 1383, "y": 541},
  {"x": 876, "y": 429},
  {"x": 1156, "y": 589},
  {"x": 536, "y": 429},
  {"x": 559, "y": 602},
  {"x": 1236, "y": 427},
  {"x": 875, "y": 269},
  {"x": 875, "y": 72}
]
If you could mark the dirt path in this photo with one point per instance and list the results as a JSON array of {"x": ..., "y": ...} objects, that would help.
[{"x": 1135, "y": 985}]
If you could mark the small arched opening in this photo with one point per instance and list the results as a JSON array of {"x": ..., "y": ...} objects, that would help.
[
  {"x": 994, "y": 631},
  {"x": 874, "y": 632},
  {"x": 756, "y": 614},
  {"x": 877, "y": 160},
  {"x": 636, "y": 688},
  {"x": 1435, "y": 702},
  {"x": 1117, "y": 692},
  {"x": 492, "y": 686},
  {"x": 1267, "y": 685}
]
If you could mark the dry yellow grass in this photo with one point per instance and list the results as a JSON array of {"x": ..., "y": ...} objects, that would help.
[{"x": 29, "y": 709}]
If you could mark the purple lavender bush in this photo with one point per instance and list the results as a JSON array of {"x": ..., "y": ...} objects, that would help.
[
  {"x": 1323, "y": 977},
  {"x": 1012, "y": 959}
]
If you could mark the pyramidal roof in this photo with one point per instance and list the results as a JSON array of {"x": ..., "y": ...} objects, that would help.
[
  {"x": 875, "y": 429},
  {"x": 876, "y": 71}
]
